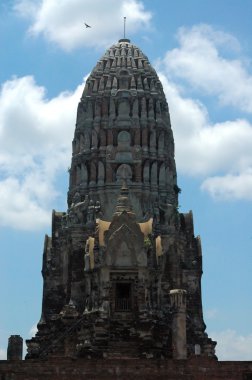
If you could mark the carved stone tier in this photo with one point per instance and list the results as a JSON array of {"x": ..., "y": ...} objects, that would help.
[{"x": 123, "y": 131}]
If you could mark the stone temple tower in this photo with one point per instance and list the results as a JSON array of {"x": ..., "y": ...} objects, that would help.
[{"x": 122, "y": 269}]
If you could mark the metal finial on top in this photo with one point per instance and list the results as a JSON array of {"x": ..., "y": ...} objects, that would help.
[
  {"x": 124, "y": 26},
  {"x": 124, "y": 39}
]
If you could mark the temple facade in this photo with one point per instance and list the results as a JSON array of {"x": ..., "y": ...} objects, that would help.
[{"x": 122, "y": 269}]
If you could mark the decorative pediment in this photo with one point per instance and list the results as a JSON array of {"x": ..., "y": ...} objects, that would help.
[{"x": 125, "y": 243}]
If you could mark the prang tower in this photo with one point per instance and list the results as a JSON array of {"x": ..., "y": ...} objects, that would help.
[{"x": 122, "y": 270}]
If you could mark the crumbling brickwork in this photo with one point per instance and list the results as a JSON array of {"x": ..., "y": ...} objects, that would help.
[{"x": 129, "y": 369}]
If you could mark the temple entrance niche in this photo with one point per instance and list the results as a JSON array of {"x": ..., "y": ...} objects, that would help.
[{"x": 123, "y": 296}]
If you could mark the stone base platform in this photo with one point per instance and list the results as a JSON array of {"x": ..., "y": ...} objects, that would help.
[{"x": 196, "y": 368}]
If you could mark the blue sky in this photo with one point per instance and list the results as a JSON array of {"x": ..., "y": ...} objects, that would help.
[{"x": 202, "y": 51}]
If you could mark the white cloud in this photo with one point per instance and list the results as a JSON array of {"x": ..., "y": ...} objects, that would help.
[
  {"x": 230, "y": 186},
  {"x": 63, "y": 22},
  {"x": 218, "y": 153},
  {"x": 203, "y": 60},
  {"x": 18, "y": 209},
  {"x": 35, "y": 145},
  {"x": 202, "y": 147},
  {"x": 33, "y": 330},
  {"x": 3, "y": 354},
  {"x": 232, "y": 346}
]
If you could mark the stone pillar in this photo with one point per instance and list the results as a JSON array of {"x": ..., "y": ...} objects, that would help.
[
  {"x": 15, "y": 348},
  {"x": 178, "y": 304}
]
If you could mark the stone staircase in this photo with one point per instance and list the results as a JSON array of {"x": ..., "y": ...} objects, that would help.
[{"x": 123, "y": 342}]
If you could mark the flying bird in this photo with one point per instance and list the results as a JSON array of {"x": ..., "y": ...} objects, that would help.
[{"x": 86, "y": 25}]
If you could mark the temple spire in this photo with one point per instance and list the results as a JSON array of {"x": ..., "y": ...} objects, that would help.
[{"x": 123, "y": 202}]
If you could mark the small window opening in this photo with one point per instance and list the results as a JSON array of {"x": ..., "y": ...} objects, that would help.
[{"x": 123, "y": 297}]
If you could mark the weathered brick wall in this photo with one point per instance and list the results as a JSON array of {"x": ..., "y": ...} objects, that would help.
[{"x": 125, "y": 369}]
